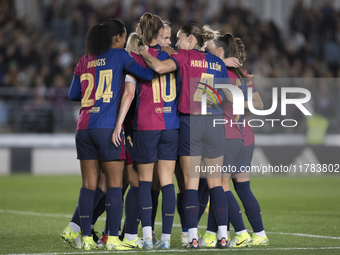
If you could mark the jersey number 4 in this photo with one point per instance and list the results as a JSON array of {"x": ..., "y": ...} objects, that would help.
[
  {"x": 104, "y": 75},
  {"x": 206, "y": 78}
]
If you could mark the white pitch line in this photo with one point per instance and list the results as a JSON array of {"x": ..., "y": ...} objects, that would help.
[
  {"x": 156, "y": 223},
  {"x": 183, "y": 250}
]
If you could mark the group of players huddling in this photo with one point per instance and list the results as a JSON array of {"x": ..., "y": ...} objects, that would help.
[{"x": 141, "y": 116}]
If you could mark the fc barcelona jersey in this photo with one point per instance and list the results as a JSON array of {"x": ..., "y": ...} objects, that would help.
[
  {"x": 97, "y": 83},
  {"x": 157, "y": 100}
]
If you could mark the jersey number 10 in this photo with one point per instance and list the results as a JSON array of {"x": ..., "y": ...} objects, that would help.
[{"x": 156, "y": 88}]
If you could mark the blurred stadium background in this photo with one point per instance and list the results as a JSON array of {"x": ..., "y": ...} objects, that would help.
[{"x": 42, "y": 40}]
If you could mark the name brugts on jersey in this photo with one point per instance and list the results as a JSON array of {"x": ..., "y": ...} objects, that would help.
[
  {"x": 204, "y": 64},
  {"x": 98, "y": 62}
]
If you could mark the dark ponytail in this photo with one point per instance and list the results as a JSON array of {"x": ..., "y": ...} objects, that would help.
[
  {"x": 230, "y": 48},
  {"x": 99, "y": 37}
]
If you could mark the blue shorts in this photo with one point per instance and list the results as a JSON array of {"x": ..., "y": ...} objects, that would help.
[
  {"x": 96, "y": 144},
  {"x": 233, "y": 152},
  {"x": 152, "y": 145},
  {"x": 247, "y": 155},
  {"x": 199, "y": 137}
]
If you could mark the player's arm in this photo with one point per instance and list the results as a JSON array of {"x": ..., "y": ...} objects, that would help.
[
  {"x": 161, "y": 67},
  {"x": 75, "y": 90},
  {"x": 232, "y": 62},
  {"x": 128, "y": 96},
  {"x": 221, "y": 94},
  {"x": 257, "y": 102}
]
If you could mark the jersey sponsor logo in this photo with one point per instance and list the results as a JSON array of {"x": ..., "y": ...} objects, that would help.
[
  {"x": 164, "y": 109},
  {"x": 167, "y": 109},
  {"x": 95, "y": 110}
]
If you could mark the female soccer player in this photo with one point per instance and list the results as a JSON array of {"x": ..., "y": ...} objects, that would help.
[
  {"x": 198, "y": 136},
  {"x": 241, "y": 181},
  {"x": 97, "y": 83},
  {"x": 155, "y": 136},
  {"x": 224, "y": 47}
]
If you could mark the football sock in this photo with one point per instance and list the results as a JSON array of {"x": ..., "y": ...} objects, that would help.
[
  {"x": 75, "y": 218},
  {"x": 98, "y": 205},
  {"x": 131, "y": 211},
  {"x": 130, "y": 237},
  {"x": 191, "y": 208},
  {"x": 85, "y": 203},
  {"x": 250, "y": 204},
  {"x": 180, "y": 211},
  {"x": 203, "y": 196},
  {"x": 212, "y": 225},
  {"x": 106, "y": 229},
  {"x": 154, "y": 197},
  {"x": 240, "y": 232},
  {"x": 261, "y": 234},
  {"x": 168, "y": 208},
  {"x": 234, "y": 212},
  {"x": 147, "y": 232},
  {"x": 74, "y": 227},
  {"x": 113, "y": 205},
  {"x": 219, "y": 204},
  {"x": 165, "y": 237},
  {"x": 145, "y": 203}
]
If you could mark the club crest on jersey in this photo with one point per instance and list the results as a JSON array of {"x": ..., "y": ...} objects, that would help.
[{"x": 159, "y": 110}]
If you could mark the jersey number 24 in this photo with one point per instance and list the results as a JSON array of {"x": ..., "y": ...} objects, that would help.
[{"x": 100, "y": 93}]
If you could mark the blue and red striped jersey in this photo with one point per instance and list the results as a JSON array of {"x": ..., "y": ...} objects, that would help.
[
  {"x": 157, "y": 100},
  {"x": 98, "y": 83}
]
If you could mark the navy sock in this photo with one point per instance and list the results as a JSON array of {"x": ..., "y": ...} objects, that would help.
[
  {"x": 75, "y": 218},
  {"x": 85, "y": 203},
  {"x": 203, "y": 202},
  {"x": 212, "y": 226},
  {"x": 131, "y": 211},
  {"x": 114, "y": 204},
  {"x": 98, "y": 205},
  {"x": 168, "y": 208},
  {"x": 154, "y": 197},
  {"x": 234, "y": 212},
  {"x": 180, "y": 211},
  {"x": 250, "y": 204},
  {"x": 191, "y": 207},
  {"x": 145, "y": 203},
  {"x": 219, "y": 204}
]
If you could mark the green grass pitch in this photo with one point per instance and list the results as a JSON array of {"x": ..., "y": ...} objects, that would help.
[{"x": 301, "y": 216}]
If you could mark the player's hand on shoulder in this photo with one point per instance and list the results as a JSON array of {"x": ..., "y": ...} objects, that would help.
[
  {"x": 168, "y": 50},
  {"x": 140, "y": 50},
  {"x": 232, "y": 62}
]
